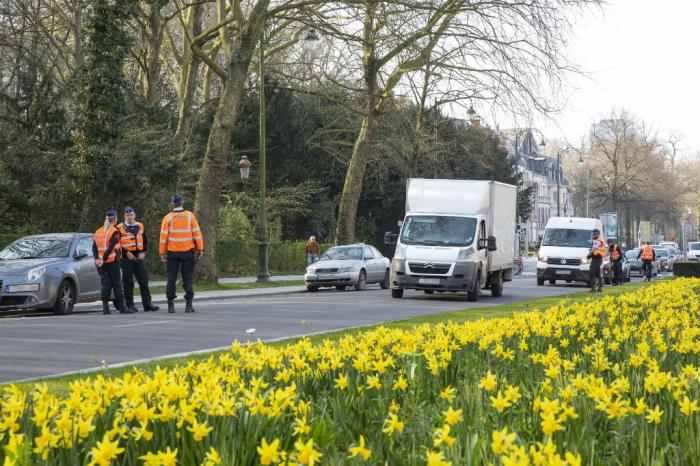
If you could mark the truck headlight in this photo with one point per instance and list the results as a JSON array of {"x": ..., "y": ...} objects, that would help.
[
  {"x": 465, "y": 254},
  {"x": 400, "y": 252},
  {"x": 585, "y": 260},
  {"x": 35, "y": 274},
  {"x": 543, "y": 258}
]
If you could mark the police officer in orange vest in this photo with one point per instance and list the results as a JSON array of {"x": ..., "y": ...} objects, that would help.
[
  {"x": 181, "y": 244},
  {"x": 134, "y": 244},
  {"x": 648, "y": 256},
  {"x": 596, "y": 255},
  {"x": 616, "y": 259},
  {"x": 106, "y": 250}
]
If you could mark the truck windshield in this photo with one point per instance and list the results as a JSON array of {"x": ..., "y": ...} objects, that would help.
[
  {"x": 567, "y": 237},
  {"x": 438, "y": 230}
]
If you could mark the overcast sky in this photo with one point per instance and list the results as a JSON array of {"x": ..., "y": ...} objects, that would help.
[{"x": 642, "y": 55}]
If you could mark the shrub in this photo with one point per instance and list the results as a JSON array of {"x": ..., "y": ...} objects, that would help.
[{"x": 686, "y": 269}]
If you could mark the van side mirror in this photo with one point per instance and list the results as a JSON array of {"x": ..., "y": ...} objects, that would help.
[
  {"x": 390, "y": 238},
  {"x": 491, "y": 243}
]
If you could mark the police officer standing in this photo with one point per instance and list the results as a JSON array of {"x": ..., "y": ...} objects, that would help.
[
  {"x": 617, "y": 260},
  {"x": 106, "y": 250},
  {"x": 596, "y": 255},
  {"x": 648, "y": 256},
  {"x": 181, "y": 244},
  {"x": 134, "y": 244}
]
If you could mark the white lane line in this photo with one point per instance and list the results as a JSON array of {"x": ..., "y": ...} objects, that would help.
[{"x": 153, "y": 322}]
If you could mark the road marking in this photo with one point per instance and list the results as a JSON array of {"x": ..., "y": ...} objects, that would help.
[{"x": 153, "y": 322}]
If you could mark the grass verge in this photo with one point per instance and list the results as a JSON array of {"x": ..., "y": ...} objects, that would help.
[
  {"x": 60, "y": 385},
  {"x": 230, "y": 286}
]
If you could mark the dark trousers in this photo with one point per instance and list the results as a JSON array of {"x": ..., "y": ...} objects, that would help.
[
  {"x": 617, "y": 272},
  {"x": 129, "y": 270},
  {"x": 182, "y": 262},
  {"x": 647, "y": 268},
  {"x": 596, "y": 280},
  {"x": 111, "y": 276}
]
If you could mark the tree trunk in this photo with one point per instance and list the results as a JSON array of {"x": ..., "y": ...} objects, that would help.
[
  {"x": 188, "y": 78},
  {"x": 154, "y": 35},
  {"x": 418, "y": 128},
  {"x": 214, "y": 165}
]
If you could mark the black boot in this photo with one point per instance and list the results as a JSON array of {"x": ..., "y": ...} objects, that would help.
[
  {"x": 105, "y": 307},
  {"x": 132, "y": 307},
  {"x": 123, "y": 309},
  {"x": 150, "y": 308},
  {"x": 171, "y": 306},
  {"x": 188, "y": 306}
]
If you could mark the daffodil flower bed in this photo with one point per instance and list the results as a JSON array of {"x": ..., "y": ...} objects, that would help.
[{"x": 606, "y": 381}]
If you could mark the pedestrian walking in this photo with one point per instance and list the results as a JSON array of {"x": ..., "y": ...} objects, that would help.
[
  {"x": 648, "y": 256},
  {"x": 134, "y": 246},
  {"x": 313, "y": 250},
  {"x": 181, "y": 244},
  {"x": 106, "y": 250},
  {"x": 597, "y": 253},
  {"x": 617, "y": 260}
]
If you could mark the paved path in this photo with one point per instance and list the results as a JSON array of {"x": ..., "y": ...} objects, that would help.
[{"x": 36, "y": 346}]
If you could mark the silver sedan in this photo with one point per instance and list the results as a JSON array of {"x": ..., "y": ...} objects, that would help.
[
  {"x": 52, "y": 271},
  {"x": 354, "y": 265}
]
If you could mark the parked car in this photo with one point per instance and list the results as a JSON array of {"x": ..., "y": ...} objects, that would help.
[
  {"x": 694, "y": 251},
  {"x": 354, "y": 265},
  {"x": 53, "y": 271},
  {"x": 635, "y": 264},
  {"x": 665, "y": 259}
]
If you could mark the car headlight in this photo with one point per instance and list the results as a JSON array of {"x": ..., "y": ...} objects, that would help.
[
  {"x": 310, "y": 271},
  {"x": 465, "y": 254},
  {"x": 543, "y": 258},
  {"x": 400, "y": 252},
  {"x": 35, "y": 274},
  {"x": 345, "y": 269}
]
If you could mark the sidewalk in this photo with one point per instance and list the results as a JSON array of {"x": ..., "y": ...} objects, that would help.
[{"x": 273, "y": 278}]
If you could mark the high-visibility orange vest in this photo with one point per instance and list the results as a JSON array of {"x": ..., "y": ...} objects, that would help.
[
  {"x": 599, "y": 248},
  {"x": 615, "y": 253},
  {"x": 101, "y": 238},
  {"x": 647, "y": 252},
  {"x": 180, "y": 232},
  {"x": 128, "y": 241}
]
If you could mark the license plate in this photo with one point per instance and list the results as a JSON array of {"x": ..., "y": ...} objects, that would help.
[
  {"x": 563, "y": 272},
  {"x": 429, "y": 281},
  {"x": 22, "y": 288}
]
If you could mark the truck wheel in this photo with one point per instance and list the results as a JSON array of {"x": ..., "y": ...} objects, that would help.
[
  {"x": 540, "y": 281},
  {"x": 397, "y": 292},
  {"x": 65, "y": 298},
  {"x": 497, "y": 286},
  {"x": 552, "y": 282},
  {"x": 428, "y": 291},
  {"x": 473, "y": 295},
  {"x": 385, "y": 283},
  {"x": 340, "y": 287}
]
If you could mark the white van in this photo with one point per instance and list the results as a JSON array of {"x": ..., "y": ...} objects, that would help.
[
  {"x": 693, "y": 251},
  {"x": 565, "y": 245}
]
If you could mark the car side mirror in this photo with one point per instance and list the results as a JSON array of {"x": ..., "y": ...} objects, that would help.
[
  {"x": 390, "y": 238},
  {"x": 80, "y": 255}
]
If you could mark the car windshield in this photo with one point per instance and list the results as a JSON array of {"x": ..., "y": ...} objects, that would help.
[
  {"x": 567, "y": 237},
  {"x": 632, "y": 254},
  {"x": 36, "y": 248},
  {"x": 438, "y": 230},
  {"x": 661, "y": 252},
  {"x": 343, "y": 253},
  {"x": 694, "y": 246}
]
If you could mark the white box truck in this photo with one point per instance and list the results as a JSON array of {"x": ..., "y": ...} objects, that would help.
[{"x": 457, "y": 236}]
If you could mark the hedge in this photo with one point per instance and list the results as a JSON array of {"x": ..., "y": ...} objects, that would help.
[
  {"x": 234, "y": 258},
  {"x": 686, "y": 269}
]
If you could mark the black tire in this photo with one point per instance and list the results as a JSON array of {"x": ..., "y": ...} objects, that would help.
[
  {"x": 386, "y": 283},
  {"x": 497, "y": 286},
  {"x": 65, "y": 298},
  {"x": 552, "y": 281},
  {"x": 361, "y": 284},
  {"x": 568, "y": 281},
  {"x": 397, "y": 293},
  {"x": 540, "y": 282},
  {"x": 311, "y": 288},
  {"x": 473, "y": 295},
  {"x": 429, "y": 291},
  {"x": 340, "y": 287}
]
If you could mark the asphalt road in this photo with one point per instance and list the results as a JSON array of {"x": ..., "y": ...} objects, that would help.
[{"x": 37, "y": 346}]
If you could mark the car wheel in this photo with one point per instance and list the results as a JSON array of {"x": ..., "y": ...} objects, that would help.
[
  {"x": 340, "y": 287},
  {"x": 311, "y": 288},
  {"x": 429, "y": 291},
  {"x": 540, "y": 281},
  {"x": 65, "y": 299},
  {"x": 361, "y": 284},
  {"x": 386, "y": 282},
  {"x": 497, "y": 286},
  {"x": 397, "y": 292}
]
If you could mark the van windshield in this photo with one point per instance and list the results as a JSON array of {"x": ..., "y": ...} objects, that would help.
[
  {"x": 438, "y": 230},
  {"x": 567, "y": 237},
  {"x": 694, "y": 246}
]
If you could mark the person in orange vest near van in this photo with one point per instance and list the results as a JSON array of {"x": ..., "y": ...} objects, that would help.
[
  {"x": 597, "y": 253},
  {"x": 134, "y": 244},
  {"x": 106, "y": 250},
  {"x": 648, "y": 256},
  {"x": 617, "y": 260},
  {"x": 181, "y": 244}
]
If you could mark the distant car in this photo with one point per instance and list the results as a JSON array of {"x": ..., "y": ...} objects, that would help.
[
  {"x": 53, "y": 271},
  {"x": 355, "y": 265},
  {"x": 635, "y": 264},
  {"x": 664, "y": 257},
  {"x": 676, "y": 254},
  {"x": 694, "y": 251}
]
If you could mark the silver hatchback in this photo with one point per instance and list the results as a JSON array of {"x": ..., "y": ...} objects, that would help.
[
  {"x": 354, "y": 265},
  {"x": 52, "y": 271}
]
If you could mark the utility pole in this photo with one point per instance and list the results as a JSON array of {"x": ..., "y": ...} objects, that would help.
[{"x": 263, "y": 274}]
